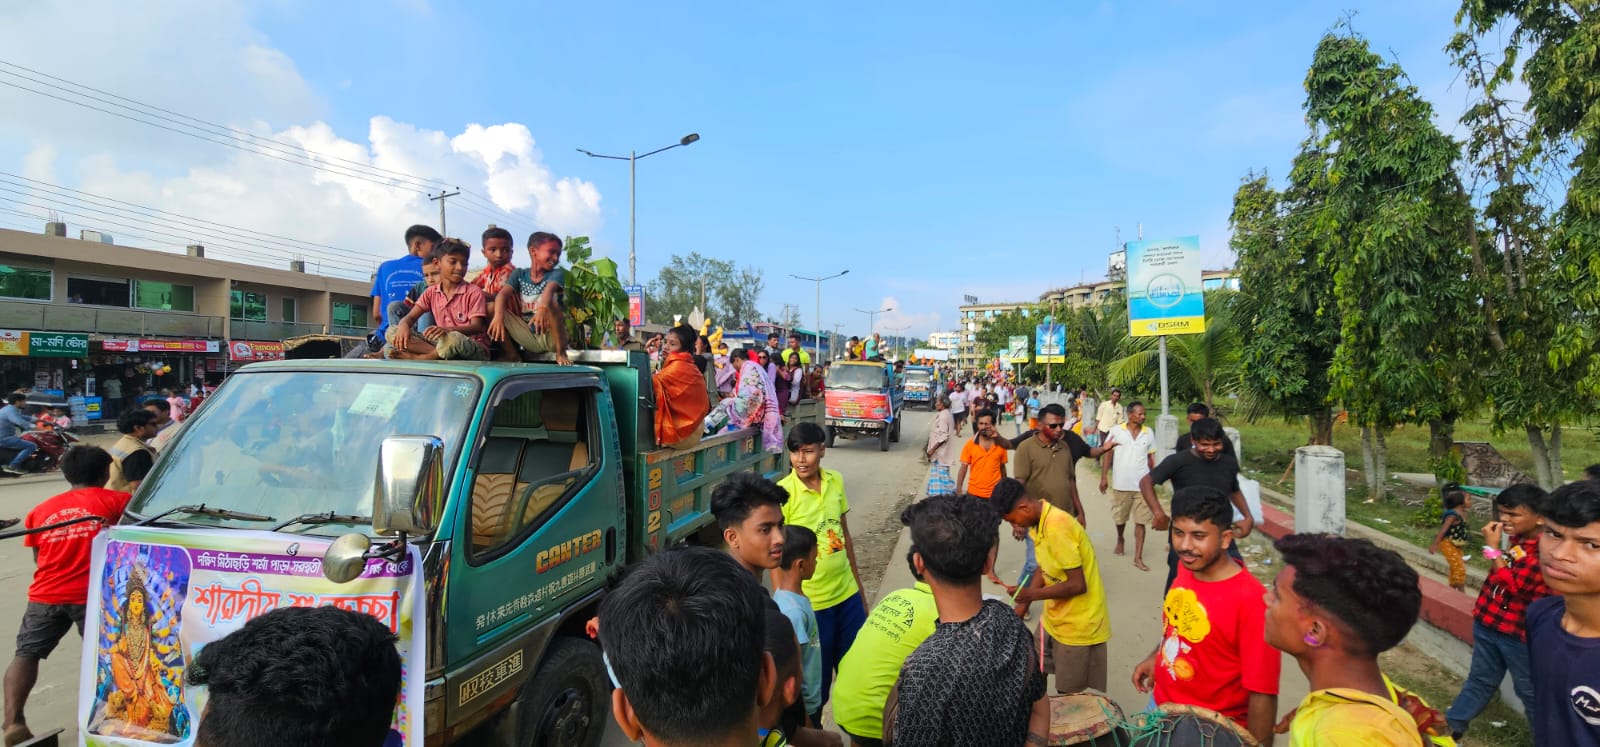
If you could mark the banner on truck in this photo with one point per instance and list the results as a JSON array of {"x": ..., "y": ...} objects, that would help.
[
  {"x": 159, "y": 595},
  {"x": 1165, "y": 296},
  {"x": 1017, "y": 349}
]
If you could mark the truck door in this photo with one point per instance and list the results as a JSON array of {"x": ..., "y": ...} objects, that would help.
[{"x": 537, "y": 531}]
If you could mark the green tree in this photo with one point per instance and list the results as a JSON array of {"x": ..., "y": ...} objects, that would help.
[
  {"x": 729, "y": 293},
  {"x": 594, "y": 296},
  {"x": 1407, "y": 342},
  {"x": 1541, "y": 303},
  {"x": 1285, "y": 300},
  {"x": 1205, "y": 365}
]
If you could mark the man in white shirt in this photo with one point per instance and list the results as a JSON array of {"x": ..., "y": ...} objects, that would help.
[
  {"x": 1130, "y": 462},
  {"x": 958, "y": 407},
  {"x": 1110, "y": 413}
]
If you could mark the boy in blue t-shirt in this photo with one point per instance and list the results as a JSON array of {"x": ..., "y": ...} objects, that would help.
[
  {"x": 394, "y": 279},
  {"x": 798, "y": 564},
  {"x": 1564, "y": 628}
]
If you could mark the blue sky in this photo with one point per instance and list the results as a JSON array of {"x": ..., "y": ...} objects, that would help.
[{"x": 933, "y": 149}]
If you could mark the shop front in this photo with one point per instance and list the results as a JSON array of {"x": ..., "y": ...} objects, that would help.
[
  {"x": 54, "y": 363},
  {"x": 142, "y": 367}
]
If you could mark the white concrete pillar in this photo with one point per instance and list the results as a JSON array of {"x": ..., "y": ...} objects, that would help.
[
  {"x": 1233, "y": 435},
  {"x": 1319, "y": 489},
  {"x": 1166, "y": 436}
]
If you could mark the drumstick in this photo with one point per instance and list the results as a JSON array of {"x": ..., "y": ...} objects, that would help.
[{"x": 1026, "y": 577}]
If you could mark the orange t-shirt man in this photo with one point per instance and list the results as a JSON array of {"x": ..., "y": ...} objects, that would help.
[{"x": 983, "y": 465}]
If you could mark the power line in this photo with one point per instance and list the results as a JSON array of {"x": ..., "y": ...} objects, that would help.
[
  {"x": 298, "y": 244},
  {"x": 226, "y": 242},
  {"x": 356, "y": 169},
  {"x": 224, "y": 143}
]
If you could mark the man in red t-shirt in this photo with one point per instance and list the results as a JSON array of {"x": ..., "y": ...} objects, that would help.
[
  {"x": 1213, "y": 653},
  {"x": 60, "y": 586}
]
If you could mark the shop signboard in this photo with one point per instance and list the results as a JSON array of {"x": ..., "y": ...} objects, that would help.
[
  {"x": 1165, "y": 296},
  {"x": 248, "y": 350},
  {"x": 160, "y": 346},
  {"x": 13, "y": 342},
  {"x": 57, "y": 345},
  {"x": 94, "y": 408}
]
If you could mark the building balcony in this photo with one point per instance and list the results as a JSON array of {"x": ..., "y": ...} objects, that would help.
[
  {"x": 102, "y": 320},
  {"x": 271, "y": 331}
]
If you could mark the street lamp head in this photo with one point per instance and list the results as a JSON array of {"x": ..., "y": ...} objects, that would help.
[
  {"x": 845, "y": 272},
  {"x": 587, "y": 153},
  {"x": 689, "y": 138}
]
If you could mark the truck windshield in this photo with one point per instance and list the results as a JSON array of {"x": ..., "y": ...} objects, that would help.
[
  {"x": 855, "y": 377},
  {"x": 286, "y": 443},
  {"x": 917, "y": 377}
]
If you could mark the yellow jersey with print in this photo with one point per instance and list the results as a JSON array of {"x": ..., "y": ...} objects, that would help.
[
  {"x": 897, "y": 626},
  {"x": 1060, "y": 545},
  {"x": 823, "y": 513},
  {"x": 1352, "y": 718}
]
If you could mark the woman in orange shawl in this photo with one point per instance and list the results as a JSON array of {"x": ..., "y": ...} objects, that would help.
[{"x": 681, "y": 401}]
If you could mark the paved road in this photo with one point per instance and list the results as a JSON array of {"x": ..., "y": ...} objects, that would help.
[{"x": 878, "y": 485}]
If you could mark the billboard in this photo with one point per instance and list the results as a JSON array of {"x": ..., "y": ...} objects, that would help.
[
  {"x": 1017, "y": 349},
  {"x": 1052, "y": 343},
  {"x": 1164, "y": 292},
  {"x": 635, "y": 305}
]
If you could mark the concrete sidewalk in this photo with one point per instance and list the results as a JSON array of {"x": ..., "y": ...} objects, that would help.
[{"x": 1132, "y": 596}]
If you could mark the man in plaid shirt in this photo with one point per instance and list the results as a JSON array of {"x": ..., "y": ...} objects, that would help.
[{"x": 1499, "y": 636}]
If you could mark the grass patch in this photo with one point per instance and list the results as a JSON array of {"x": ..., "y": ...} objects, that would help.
[{"x": 1269, "y": 449}]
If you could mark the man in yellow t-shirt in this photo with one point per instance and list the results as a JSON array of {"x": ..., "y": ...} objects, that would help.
[
  {"x": 1068, "y": 581},
  {"x": 817, "y": 502},
  {"x": 900, "y": 623}
]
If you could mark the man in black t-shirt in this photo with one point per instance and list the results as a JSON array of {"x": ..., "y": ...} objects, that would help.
[
  {"x": 1202, "y": 464},
  {"x": 1197, "y": 411}
]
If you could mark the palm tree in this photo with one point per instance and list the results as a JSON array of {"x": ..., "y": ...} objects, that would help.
[{"x": 1207, "y": 362}]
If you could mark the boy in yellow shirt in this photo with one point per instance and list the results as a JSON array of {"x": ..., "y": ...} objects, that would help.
[
  {"x": 817, "y": 502},
  {"x": 1067, "y": 581}
]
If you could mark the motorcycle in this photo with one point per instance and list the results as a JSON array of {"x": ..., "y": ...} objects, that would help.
[{"x": 52, "y": 444}]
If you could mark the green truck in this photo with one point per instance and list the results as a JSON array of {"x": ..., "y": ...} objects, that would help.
[{"x": 525, "y": 487}]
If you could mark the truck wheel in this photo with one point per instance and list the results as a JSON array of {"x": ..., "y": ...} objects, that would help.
[
  {"x": 567, "y": 702},
  {"x": 894, "y": 435},
  {"x": 830, "y": 436},
  {"x": 883, "y": 440}
]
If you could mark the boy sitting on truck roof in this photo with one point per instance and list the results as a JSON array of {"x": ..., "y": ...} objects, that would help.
[
  {"x": 541, "y": 325},
  {"x": 460, "y": 314},
  {"x": 683, "y": 641}
]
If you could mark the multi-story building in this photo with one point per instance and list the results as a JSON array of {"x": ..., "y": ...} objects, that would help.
[
  {"x": 946, "y": 340},
  {"x": 75, "y": 314},
  {"x": 1096, "y": 293},
  {"x": 973, "y": 318}
]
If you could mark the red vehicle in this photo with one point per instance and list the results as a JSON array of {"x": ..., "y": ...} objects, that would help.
[
  {"x": 53, "y": 445},
  {"x": 863, "y": 400}
]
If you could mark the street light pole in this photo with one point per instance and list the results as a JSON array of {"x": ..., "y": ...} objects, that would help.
[
  {"x": 872, "y": 317},
  {"x": 633, "y": 213},
  {"x": 816, "y": 348}
]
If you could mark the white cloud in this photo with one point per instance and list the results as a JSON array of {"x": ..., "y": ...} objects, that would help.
[
  {"x": 248, "y": 84},
  {"x": 897, "y": 321}
]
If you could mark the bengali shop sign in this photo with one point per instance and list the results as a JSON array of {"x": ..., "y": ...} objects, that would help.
[
  {"x": 160, "y": 595},
  {"x": 43, "y": 344},
  {"x": 247, "y": 350},
  {"x": 1165, "y": 296},
  {"x": 160, "y": 346}
]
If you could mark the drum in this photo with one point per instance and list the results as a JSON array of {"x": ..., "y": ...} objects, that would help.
[
  {"x": 1087, "y": 718},
  {"x": 1174, "y": 725}
]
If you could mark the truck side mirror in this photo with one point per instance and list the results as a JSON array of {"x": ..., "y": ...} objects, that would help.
[
  {"x": 410, "y": 485},
  {"x": 346, "y": 558}
]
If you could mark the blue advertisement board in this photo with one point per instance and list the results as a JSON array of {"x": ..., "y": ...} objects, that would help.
[{"x": 1164, "y": 292}]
